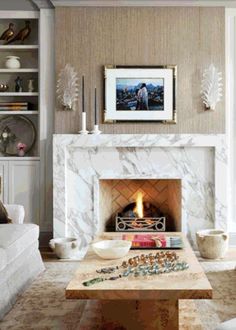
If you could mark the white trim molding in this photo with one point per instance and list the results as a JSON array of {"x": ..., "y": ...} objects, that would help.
[
  {"x": 143, "y": 3},
  {"x": 47, "y": 106},
  {"x": 43, "y": 4},
  {"x": 230, "y": 65}
]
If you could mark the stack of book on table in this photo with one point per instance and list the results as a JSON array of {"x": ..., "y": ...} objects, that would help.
[
  {"x": 14, "y": 106},
  {"x": 154, "y": 241}
]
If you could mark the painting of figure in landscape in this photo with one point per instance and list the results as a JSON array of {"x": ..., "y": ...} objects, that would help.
[{"x": 144, "y": 94}]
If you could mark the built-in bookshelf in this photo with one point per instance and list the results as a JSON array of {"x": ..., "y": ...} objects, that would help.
[
  {"x": 28, "y": 180},
  {"x": 28, "y": 52}
]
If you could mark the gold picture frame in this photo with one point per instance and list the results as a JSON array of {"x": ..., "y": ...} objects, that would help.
[{"x": 163, "y": 109}]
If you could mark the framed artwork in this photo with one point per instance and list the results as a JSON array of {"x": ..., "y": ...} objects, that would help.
[{"x": 140, "y": 93}]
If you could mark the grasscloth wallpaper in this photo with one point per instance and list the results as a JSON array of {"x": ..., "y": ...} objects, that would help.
[{"x": 191, "y": 38}]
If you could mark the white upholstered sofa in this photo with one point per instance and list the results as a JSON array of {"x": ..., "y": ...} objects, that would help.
[{"x": 20, "y": 260}]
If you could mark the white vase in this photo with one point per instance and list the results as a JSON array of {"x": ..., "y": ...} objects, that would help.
[
  {"x": 21, "y": 153},
  {"x": 212, "y": 243},
  {"x": 12, "y": 62},
  {"x": 30, "y": 85}
]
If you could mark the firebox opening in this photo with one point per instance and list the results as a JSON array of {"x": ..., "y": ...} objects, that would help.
[{"x": 140, "y": 205}]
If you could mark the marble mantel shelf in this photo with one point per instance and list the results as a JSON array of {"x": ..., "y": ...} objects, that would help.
[
  {"x": 141, "y": 140},
  {"x": 79, "y": 162}
]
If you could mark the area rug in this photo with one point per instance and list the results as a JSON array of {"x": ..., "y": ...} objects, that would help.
[{"x": 44, "y": 307}]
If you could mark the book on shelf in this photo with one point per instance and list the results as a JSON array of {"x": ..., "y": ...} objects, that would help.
[
  {"x": 12, "y": 106},
  {"x": 14, "y": 103},
  {"x": 14, "y": 109}
]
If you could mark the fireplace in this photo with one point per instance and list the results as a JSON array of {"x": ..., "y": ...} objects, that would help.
[
  {"x": 146, "y": 205},
  {"x": 85, "y": 167}
]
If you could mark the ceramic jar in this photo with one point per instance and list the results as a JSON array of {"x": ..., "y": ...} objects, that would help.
[
  {"x": 12, "y": 62},
  {"x": 64, "y": 248},
  {"x": 3, "y": 87},
  {"x": 212, "y": 243}
]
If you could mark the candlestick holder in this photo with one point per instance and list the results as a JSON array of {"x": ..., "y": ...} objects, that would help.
[
  {"x": 84, "y": 130},
  {"x": 96, "y": 130}
]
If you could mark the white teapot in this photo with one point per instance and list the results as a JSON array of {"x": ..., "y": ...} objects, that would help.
[{"x": 65, "y": 248}]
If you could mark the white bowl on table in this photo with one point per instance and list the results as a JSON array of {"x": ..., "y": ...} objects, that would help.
[{"x": 111, "y": 249}]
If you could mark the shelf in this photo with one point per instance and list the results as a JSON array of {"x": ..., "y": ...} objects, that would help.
[
  {"x": 19, "y": 158},
  {"x": 18, "y": 94},
  {"x": 18, "y": 70},
  {"x": 18, "y": 47},
  {"x": 23, "y": 112},
  {"x": 19, "y": 14}
]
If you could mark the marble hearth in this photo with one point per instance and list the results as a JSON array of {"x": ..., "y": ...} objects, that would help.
[{"x": 81, "y": 163}]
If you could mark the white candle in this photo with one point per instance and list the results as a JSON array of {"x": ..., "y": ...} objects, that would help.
[{"x": 83, "y": 121}]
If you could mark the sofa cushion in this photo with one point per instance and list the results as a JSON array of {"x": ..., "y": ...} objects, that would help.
[
  {"x": 15, "y": 212},
  {"x": 3, "y": 214},
  {"x": 3, "y": 259},
  {"x": 15, "y": 238},
  {"x": 228, "y": 325}
]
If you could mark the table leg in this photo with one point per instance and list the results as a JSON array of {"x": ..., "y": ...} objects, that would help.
[{"x": 140, "y": 314}]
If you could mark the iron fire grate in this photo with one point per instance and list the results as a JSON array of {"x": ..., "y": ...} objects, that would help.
[{"x": 140, "y": 224}]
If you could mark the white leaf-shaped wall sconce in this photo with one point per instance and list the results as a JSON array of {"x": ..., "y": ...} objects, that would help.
[
  {"x": 67, "y": 87},
  {"x": 211, "y": 87}
]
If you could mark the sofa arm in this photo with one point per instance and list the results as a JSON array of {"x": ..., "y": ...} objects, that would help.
[{"x": 16, "y": 213}]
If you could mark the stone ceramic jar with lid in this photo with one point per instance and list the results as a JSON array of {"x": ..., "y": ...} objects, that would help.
[
  {"x": 64, "y": 248},
  {"x": 12, "y": 62},
  {"x": 212, "y": 243}
]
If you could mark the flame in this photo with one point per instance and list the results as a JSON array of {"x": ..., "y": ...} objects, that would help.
[{"x": 139, "y": 205}]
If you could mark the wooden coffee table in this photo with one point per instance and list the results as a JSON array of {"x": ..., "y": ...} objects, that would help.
[{"x": 145, "y": 302}]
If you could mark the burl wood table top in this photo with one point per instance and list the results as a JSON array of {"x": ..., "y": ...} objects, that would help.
[{"x": 188, "y": 284}]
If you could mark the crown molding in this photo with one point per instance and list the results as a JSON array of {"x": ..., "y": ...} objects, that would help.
[
  {"x": 143, "y": 3},
  {"x": 41, "y": 4}
]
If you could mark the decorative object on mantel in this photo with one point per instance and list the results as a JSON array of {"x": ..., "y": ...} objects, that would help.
[
  {"x": 211, "y": 87},
  {"x": 18, "y": 86},
  {"x": 3, "y": 87},
  {"x": 64, "y": 248},
  {"x": 84, "y": 130},
  {"x": 14, "y": 129},
  {"x": 21, "y": 147},
  {"x": 30, "y": 85},
  {"x": 212, "y": 243},
  {"x": 8, "y": 33},
  {"x": 142, "y": 265},
  {"x": 22, "y": 34},
  {"x": 142, "y": 93},
  {"x": 67, "y": 87},
  {"x": 12, "y": 62},
  {"x": 96, "y": 115}
]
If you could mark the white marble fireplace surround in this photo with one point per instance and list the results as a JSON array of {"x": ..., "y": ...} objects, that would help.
[{"x": 79, "y": 162}]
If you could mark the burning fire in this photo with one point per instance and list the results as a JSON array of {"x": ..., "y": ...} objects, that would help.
[{"x": 139, "y": 205}]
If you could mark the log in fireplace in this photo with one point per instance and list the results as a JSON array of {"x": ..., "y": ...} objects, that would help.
[
  {"x": 140, "y": 205},
  {"x": 140, "y": 216}
]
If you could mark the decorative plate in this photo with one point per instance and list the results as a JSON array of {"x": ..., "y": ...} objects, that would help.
[{"x": 20, "y": 129}]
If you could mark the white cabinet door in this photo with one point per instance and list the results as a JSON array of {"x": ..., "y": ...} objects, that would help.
[
  {"x": 24, "y": 188},
  {"x": 4, "y": 181}
]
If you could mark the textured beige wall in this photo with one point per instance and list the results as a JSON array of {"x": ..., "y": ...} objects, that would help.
[{"x": 191, "y": 38}]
